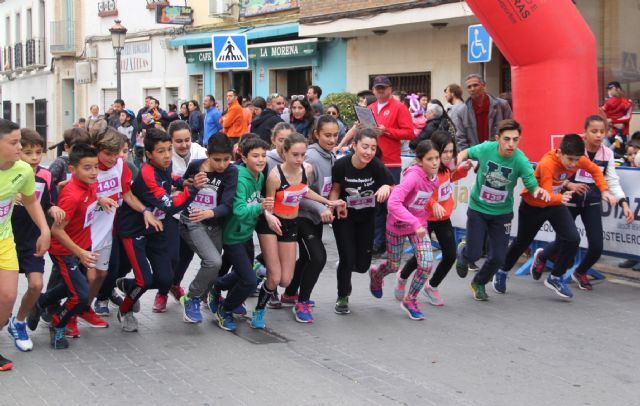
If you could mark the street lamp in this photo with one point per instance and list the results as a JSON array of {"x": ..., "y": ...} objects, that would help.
[{"x": 118, "y": 35}]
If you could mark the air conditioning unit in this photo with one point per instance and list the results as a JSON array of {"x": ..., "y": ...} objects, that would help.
[{"x": 220, "y": 8}]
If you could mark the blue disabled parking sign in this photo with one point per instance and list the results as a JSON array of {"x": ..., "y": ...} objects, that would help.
[
  {"x": 479, "y": 44},
  {"x": 230, "y": 51}
]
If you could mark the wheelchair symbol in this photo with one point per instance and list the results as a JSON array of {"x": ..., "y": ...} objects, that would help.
[{"x": 477, "y": 47}]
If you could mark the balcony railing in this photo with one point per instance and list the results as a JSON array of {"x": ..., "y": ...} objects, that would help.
[
  {"x": 35, "y": 52},
  {"x": 62, "y": 37},
  {"x": 18, "y": 56}
]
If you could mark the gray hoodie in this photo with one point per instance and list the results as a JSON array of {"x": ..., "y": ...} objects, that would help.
[{"x": 320, "y": 182}]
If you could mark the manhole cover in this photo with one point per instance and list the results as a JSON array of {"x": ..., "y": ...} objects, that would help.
[{"x": 255, "y": 336}]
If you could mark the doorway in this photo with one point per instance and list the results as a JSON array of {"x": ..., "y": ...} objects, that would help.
[
  {"x": 290, "y": 81},
  {"x": 242, "y": 83}
]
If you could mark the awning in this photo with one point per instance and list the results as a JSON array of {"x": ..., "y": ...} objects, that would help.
[{"x": 265, "y": 31}]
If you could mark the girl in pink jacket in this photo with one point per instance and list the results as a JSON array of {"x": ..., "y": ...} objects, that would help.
[{"x": 408, "y": 219}]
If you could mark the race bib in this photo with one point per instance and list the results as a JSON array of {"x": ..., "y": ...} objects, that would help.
[
  {"x": 421, "y": 200},
  {"x": 326, "y": 186},
  {"x": 292, "y": 199},
  {"x": 360, "y": 202},
  {"x": 90, "y": 215},
  {"x": 159, "y": 214},
  {"x": 493, "y": 196},
  {"x": 206, "y": 199},
  {"x": 556, "y": 189},
  {"x": 5, "y": 209},
  {"x": 39, "y": 190},
  {"x": 444, "y": 191},
  {"x": 109, "y": 186}
]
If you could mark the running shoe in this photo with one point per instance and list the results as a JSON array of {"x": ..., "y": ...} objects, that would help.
[
  {"x": 5, "y": 364},
  {"x": 240, "y": 310},
  {"x": 559, "y": 286},
  {"x": 225, "y": 320},
  {"x": 537, "y": 265},
  {"x": 260, "y": 270},
  {"x": 115, "y": 298},
  {"x": 462, "y": 266},
  {"x": 34, "y": 317},
  {"x": 177, "y": 292},
  {"x": 479, "y": 292},
  {"x": 101, "y": 307},
  {"x": 191, "y": 309},
  {"x": 120, "y": 284},
  {"x": 302, "y": 311},
  {"x": 72, "y": 328},
  {"x": 412, "y": 309},
  {"x": 58, "y": 339},
  {"x": 582, "y": 280},
  {"x": 160, "y": 303},
  {"x": 93, "y": 320},
  {"x": 128, "y": 321},
  {"x": 342, "y": 305},
  {"x": 19, "y": 333},
  {"x": 274, "y": 301},
  {"x": 257, "y": 319},
  {"x": 499, "y": 282},
  {"x": 215, "y": 298},
  {"x": 401, "y": 285},
  {"x": 473, "y": 267},
  {"x": 375, "y": 282},
  {"x": 288, "y": 301},
  {"x": 433, "y": 295}
]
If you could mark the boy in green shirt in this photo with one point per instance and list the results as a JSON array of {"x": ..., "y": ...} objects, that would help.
[{"x": 500, "y": 164}]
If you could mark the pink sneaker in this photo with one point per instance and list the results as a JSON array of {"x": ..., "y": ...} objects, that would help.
[
  {"x": 375, "y": 281},
  {"x": 287, "y": 300},
  {"x": 433, "y": 295},
  {"x": 400, "y": 288},
  {"x": 160, "y": 303}
]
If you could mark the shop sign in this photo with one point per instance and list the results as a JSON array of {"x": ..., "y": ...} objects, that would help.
[
  {"x": 174, "y": 15},
  {"x": 283, "y": 50},
  {"x": 136, "y": 57},
  {"x": 200, "y": 57},
  {"x": 258, "y": 7}
]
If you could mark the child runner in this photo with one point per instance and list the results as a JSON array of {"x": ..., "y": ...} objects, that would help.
[
  {"x": 439, "y": 209},
  {"x": 26, "y": 233},
  {"x": 71, "y": 243},
  {"x": 312, "y": 255},
  {"x": 16, "y": 177},
  {"x": 147, "y": 249},
  {"x": 359, "y": 179},
  {"x": 408, "y": 219},
  {"x": 500, "y": 164},
  {"x": 287, "y": 184},
  {"x": 237, "y": 235},
  {"x": 201, "y": 224},
  {"x": 552, "y": 171},
  {"x": 586, "y": 202}
]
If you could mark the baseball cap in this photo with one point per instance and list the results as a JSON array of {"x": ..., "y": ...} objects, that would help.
[{"x": 381, "y": 81}]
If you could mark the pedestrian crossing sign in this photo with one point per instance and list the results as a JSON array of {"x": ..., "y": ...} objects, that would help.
[{"x": 230, "y": 51}]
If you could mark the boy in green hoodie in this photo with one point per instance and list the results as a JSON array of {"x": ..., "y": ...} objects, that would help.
[{"x": 237, "y": 241}]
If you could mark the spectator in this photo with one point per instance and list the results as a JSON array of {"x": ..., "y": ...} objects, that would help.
[
  {"x": 453, "y": 96},
  {"x": 233, "y": 118},
  {"x": 302, "y": 115},
  {"x": 365, "y": 98},
  {"x": 184, "y": 111},
  {"x": 618, "y": 109},
  {"x": 435, "y": 121},
  {"x": 195, "y": 121},
  {"x": 334, "y": 111},
  {"x": 114, "y": 117},
  {"x": 211, "y": 118},
  {"x": 423, "y": 100},
  {"x": 127, "y": 125},
  {"x": 155, "y": 116},
  {"x": 247, "y": 111},
  {"x": 269, "y": 117},
  {"x": 147, "y": 101},
  {"x": 94, "y": 116},
  {"x": 259, "y": 104},
  {"x": 481, "y": 114},
  {"x": 313, "y": 96}
]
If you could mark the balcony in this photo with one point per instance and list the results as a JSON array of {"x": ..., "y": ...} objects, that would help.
[
  {"x": 63, "y": 38},
  {"x": 34, "y": 55},
  {"x": 17, "y": 56}
]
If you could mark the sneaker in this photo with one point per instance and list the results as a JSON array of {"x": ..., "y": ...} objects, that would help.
[
  {"x": 401, "y": 284},
  {"x": 72, "y": 328},
  {"x": 433, "y": 295},
  {"x": 288, "y": 301},
  {"x": 115, "y": 297},
  {"x": 582, "y": 280},
  {"x": 240, "y": 310},
  {"x": 58, "y": 339},
  {"x": 375, "y": 283},
  {"x": 500, "y": 281},
  {"x": 191, "y": 309},
  {"x": 5, "y": 364},
  {"x": 128, "y": 321},
  {"x": 473, "y": 267},
  {"x": 274, "y": 301},
  {"x": 257, "y": 319},
  {"x": 412, "y": 309},
  {"x": 214, "y": 300},
  {"x": 538, "y": 265},
  {"x": 479, "y": 292},
  {"x": 225, "y": 320},
  {"x": 260, "y": 270},
  {"x": 302, "y": 311},
  {"x": 177, "y": 292},
  {"x": 462, "y": 266},
  {"x": 34, "y": 317},
  {"x": 160, "y": 303},
  {"x": 628, "y": 263},
  {"x": 92, "y": 319},
  {"x": 101, "y": 307},
  {"x": 342, "y": 305},
  {"x": 559, "y": 286},
  {"x": 19, "y": 333}
]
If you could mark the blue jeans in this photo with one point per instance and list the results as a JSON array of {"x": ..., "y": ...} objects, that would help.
[
  {"x": 497, "y": 229},
  {"x": 241, "y": 281},
  {"x": 379, "y": 240}
]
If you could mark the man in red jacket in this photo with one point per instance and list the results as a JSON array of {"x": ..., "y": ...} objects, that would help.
[{"x": 394, "y": 126}]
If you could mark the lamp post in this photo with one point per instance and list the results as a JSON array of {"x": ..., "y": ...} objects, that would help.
[{"x": 118, "y": 35}]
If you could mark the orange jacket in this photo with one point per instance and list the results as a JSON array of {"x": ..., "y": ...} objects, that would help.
[
  {"x": 551, "y": 174},
  {"x": 233, "y": 121}
]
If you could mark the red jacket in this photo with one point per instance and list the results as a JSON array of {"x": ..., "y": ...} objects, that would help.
[{"x": 396, "y": 119}]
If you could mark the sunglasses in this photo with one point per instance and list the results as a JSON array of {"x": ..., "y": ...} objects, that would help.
[{"x": 297, "y": 97}]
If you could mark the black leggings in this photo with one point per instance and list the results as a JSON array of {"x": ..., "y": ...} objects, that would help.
[
  {"x": 447, "y": 242},
  {"x": 311, "y": 260},
  {"x": 354, "y": 240}
]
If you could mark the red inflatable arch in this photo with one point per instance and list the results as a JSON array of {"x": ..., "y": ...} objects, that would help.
[{"x": 552, "y": 53}]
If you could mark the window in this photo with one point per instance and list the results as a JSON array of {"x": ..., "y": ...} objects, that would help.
[
  {"x": 7, "y": 31},
  {"x": 18, "y": 28},
  {"x": 29, "y": 24},
  {"x": 415, "y": 82},
  {"x": 108, "y": 96},
  {"x": 18, "y": 114}
]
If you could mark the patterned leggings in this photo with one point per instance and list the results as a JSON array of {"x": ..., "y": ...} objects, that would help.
[{"x": 423, "y": 253}]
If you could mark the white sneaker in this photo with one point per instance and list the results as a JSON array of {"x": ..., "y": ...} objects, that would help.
[
  {"x": 432, "y": 295},
  {"x": 18, "y": 331},
  {"x": 128, "y": 321}
]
